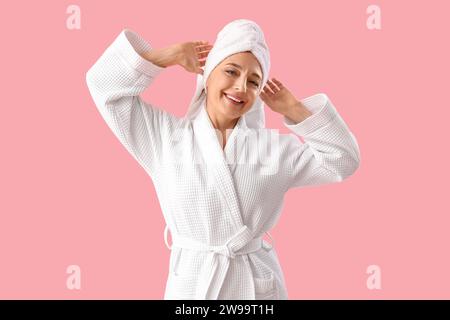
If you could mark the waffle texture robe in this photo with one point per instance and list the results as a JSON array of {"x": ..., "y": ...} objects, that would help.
[{"x": 217, "y": 203}]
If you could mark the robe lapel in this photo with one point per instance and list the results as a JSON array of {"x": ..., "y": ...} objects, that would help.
[
  {"x": 235, "y": 147},
  {"x": 216, "y": 159}
]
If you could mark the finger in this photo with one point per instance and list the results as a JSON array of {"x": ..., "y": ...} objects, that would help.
[
  {"x": 204, "y": 46},
  {"x": 273, "y": 86},
  {"x": 201, "y": 42},
  {"x": 264, "y": 97},
  {"x": 268, "y": 90},
  {"x": 203, "y": 49},
  {"x": 202, "y": 54},
  {"x": 278, "y": 83}
]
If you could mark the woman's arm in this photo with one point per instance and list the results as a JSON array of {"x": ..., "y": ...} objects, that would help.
[
  {"x": 164, "y": 57},
  {"x": 330, "y": 152},
  {"x": 297, "y": 113},
  {"x": 115, "y": 82}
]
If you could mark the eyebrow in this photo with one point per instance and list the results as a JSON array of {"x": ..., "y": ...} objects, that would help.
[{"x": 239, "y": 67}]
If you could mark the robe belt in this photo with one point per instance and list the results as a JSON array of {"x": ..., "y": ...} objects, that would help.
[{"x": 218, "y": 259}]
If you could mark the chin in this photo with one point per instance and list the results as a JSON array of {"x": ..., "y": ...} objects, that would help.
[
  {"x": 233, "y": 112},
  {"x": 230, "y": 114}
]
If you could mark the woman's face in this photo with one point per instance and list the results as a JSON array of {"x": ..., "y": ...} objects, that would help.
[{"x": 238, "y": 75}]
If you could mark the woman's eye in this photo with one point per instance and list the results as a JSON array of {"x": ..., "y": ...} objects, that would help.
[{"x": 233, "y": 72}]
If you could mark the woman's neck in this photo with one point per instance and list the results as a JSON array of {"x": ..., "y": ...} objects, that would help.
[{"x": 223, "y": 125}]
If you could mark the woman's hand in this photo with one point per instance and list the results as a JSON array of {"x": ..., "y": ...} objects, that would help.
[
  {"x": 278, "y": 98},
  {"x": 192, "y": 55}
]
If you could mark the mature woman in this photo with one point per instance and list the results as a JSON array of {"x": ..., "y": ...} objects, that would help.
[{"x": 219, "y": 188}]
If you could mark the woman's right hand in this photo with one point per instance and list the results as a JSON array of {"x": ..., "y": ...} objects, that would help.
[{"x": 192, "y": 55}]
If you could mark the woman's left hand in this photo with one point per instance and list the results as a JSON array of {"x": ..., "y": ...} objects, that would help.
[{"x": 278, "y": 98}]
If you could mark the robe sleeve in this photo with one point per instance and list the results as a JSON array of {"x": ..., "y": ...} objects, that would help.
[
  {"x": 115, "y": 82},
  {"x": 330, "y": 152}
]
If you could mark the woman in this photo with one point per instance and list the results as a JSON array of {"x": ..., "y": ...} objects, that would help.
[{"x": 218, "y": 193}]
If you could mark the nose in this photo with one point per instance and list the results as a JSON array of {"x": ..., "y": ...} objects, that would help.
[{"x": 241, "y": 85}]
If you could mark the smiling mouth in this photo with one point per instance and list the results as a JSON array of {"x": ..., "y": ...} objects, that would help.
[{"x": 233, "y": 101}]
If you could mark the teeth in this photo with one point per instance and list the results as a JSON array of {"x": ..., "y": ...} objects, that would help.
[{"x": 233, "y": 98}]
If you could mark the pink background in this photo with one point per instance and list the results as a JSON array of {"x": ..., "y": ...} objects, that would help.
[{"x": 71, "y": 194}]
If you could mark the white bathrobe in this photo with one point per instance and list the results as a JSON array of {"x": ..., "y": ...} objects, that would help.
[{"x": 216, "y": 203}]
